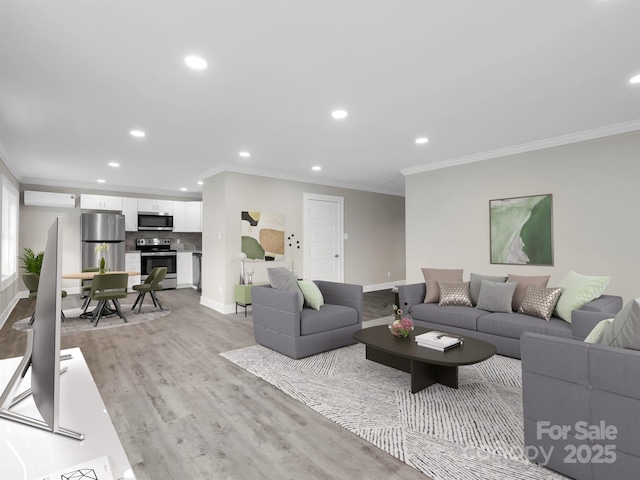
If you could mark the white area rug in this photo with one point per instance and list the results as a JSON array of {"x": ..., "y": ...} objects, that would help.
[
  {"x": 75, "y": 324},
  {"x": 474, "y": 432}
]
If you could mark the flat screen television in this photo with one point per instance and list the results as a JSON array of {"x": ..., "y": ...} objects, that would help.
[{"x": 43, "y": 347}]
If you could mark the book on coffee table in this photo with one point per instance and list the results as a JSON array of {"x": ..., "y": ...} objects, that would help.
[{"x": 438, "y": 340}]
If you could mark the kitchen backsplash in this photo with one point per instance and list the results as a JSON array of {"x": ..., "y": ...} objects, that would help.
[{"x": 188, "y": 241}]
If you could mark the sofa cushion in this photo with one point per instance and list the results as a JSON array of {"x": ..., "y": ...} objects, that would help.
[
  {"x": 512, "y": 325},
  {"x": 454, "y": 294},
  {"x": 496, "y": 296},
  {"x": 521, "y": 288},
  {"x": 461, "y": 317},
  {"x": 312, "y": 294},
  {"x": 578, "y": 290},
  {"x": 434, "y": 275},
  {"x": 282, "y": 279},
  {"x": 475, "y": 282},
  {"x": 540, "y": 301},
  {"x": 624, "y": 330},
  {"x": 329, "y": 317}
]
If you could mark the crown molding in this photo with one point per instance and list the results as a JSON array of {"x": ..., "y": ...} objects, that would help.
[
  {"x": 295, "y": 178},
  {"x": 528, "y": 147}
]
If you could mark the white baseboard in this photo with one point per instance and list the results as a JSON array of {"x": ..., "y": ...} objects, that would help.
[
  {"x": 217, "y": 306},
  {"x": 7, "y": 311},
  {"x": 382, "y": 286}
]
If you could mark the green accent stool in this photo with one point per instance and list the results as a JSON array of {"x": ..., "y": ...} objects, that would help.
[{"x": 242, "y": 296}]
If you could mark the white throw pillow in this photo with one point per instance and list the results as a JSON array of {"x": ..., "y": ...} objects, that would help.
[{"x": 624, "y": 331}]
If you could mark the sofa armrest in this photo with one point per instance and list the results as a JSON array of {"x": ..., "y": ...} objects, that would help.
[
  {"x": 585, "y": 319},
  {"x": 345, "y": 294},
  {"x": 276, "y": 310},
  {"x": 582, "y": 322},
  {"x": 605, "y": 303},
  {"x": 410, "y": 295}
]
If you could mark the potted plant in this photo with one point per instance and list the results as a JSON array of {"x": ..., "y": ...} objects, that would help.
[{"x": 31, "y": 261}]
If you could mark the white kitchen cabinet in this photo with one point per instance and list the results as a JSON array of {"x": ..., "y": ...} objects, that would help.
[
  {"x": 100, "y": 202},
  {"x": 185, "y": 269},
  {"x": 130, "y": 212},
  {"x": 132, "y": 264},
  {"x": 154, "y": 205},
  {"x": 180, "y": 217},
  {"x": 193, "y": 217}
]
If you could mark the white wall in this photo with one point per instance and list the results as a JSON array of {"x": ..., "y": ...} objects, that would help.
[
  {"x": 374, "y": 223},
  {"x": 596, "y": 205}
]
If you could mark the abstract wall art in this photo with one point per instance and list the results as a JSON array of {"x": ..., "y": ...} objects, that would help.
[
  {"x": 263, "y": 236},
  {"x": 522, "y": 230}
]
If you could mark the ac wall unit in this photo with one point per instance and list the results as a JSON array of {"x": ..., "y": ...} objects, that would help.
[{"x": 49, "y": 199}]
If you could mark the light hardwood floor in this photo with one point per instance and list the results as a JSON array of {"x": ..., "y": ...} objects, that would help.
[{"x": 184, "y": 412}]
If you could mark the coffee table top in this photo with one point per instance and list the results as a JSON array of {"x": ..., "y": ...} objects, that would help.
[{"x": 470, "y": 352}]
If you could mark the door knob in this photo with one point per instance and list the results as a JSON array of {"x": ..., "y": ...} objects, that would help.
[{"x": 336, "y": 255}]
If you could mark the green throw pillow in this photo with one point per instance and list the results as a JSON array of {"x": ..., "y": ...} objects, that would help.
[
  {"x": 598, "y": 330},
  {"x": 578, "y": 290},
  {"x": 312, "y": 294},
  {"x": 624, "y": 330}
]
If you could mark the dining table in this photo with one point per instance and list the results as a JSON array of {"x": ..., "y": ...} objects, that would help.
[{"x": 90, "y": 275}]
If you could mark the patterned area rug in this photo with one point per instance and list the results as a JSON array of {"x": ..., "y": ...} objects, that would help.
[
  {"x": 474, "y": 432},
  {"x": 75, "y": 324}
]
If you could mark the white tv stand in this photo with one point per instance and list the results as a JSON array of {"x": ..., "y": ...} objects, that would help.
[{"x": 30, "y": 453}]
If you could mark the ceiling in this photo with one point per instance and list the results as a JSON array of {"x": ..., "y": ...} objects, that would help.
[{"x": 478, "y": 78}]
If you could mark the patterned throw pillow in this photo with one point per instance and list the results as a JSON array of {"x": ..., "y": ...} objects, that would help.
[
  {"x": 540, "y": 301},
  {"x": 521, "y": 288},
  {"x": 455, "y": 294},
  {"x": 434, "y": 275}
]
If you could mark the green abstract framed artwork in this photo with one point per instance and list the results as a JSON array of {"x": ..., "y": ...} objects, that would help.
[
  {"x": 263, "y": 236},
  {"x": 522, "y": 230}
]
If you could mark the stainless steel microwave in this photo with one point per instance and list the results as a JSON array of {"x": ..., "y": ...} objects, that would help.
[{"x": 153, "y": 221}]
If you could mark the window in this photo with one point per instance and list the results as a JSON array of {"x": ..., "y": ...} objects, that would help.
[{"x": 9, "y": 239}]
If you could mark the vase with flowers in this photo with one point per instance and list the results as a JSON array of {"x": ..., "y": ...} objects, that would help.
[
  {"x": 99, "y": 250},
  {"x": 401, "y": 328}
]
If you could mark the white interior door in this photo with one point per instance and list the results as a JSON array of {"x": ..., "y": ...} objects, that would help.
[{"x": 323, "y": 226}]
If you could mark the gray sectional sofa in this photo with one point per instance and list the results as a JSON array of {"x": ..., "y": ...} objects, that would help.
[
  {"x": 501, "y": 329},
  {"x": 580, "y": 406}
]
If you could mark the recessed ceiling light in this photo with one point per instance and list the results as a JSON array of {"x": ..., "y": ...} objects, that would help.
[
  {"x": 339, "y": 114},
  {"x": 316, "y": 168},
  {"x": 200, "y": 182},
  {"x": 114, "y": 164},
  {"x": 183, "y": 189},
  {"x": 100, "y": 180},
  {"x": 635, "y": 79},
  {"x": 422, "y": 140},
  {"x": 244, "y": 154},
  {"x": 137, "y": 133},
  {"x": 197, "y": 63}
]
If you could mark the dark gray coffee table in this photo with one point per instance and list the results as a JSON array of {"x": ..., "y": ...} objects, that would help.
[{"x": 426, "y": 366}]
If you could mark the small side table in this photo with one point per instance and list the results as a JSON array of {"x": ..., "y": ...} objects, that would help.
[{"x": 242, "y": 296}]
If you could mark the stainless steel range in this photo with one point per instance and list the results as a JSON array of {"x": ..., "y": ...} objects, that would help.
[{"x": 156, "y": 252}]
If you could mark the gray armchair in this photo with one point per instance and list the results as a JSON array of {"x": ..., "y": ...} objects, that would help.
[{"x": 279, "y": 324}]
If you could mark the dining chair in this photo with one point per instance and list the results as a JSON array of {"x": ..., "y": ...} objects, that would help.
[
  {"x": 151, "y": 285},
  {"x": 85, "y": 289},
  {"x": 107, "y": 287},
  {"x": 31, "y": 281}
]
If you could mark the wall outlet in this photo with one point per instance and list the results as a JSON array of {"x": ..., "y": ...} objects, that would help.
[{"x": 388, "y": 274}]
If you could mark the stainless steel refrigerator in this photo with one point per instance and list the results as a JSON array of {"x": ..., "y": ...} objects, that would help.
[{"x": 97, "y": 228}]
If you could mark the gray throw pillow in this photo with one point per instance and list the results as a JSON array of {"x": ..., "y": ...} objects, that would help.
[
  {"x": 624, "y": 331},
  {"x": 475, "y": 282},
  {"x": 496, "y": 296},
  {"x": 282, "y": 279}
]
